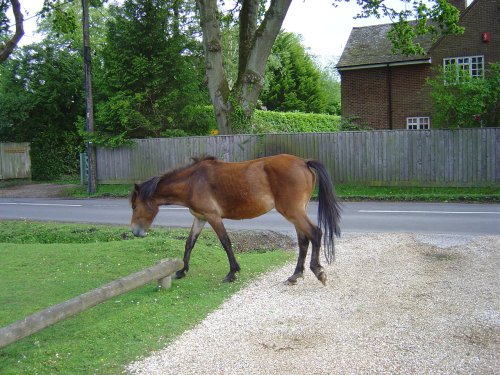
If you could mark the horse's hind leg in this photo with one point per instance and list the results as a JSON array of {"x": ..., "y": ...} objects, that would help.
[
  {"x": 299, "y": 269},
  {"x": 313, "y": 234},
  {"x": 196, "y": 229},
  {"x": 315, "y": 264}
]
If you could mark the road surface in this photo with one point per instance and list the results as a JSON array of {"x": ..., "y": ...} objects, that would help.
[{"x": 451, "y": 218}]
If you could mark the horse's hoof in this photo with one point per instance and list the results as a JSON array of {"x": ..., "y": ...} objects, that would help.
[
  {"x": 179, "y": 275},
  {"x": 292, "y": 280},
  {"x": 229, "y": 278},
  {"x": 322, "y": 277}
]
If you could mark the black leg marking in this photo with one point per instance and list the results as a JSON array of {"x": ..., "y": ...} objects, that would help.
[
  {"x": 221, "y": 232},
  {"x": 299, "y": 269},
  {"x": 196, "y": 229}
]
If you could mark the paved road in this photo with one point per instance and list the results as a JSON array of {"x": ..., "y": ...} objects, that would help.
[{"x": 480, "y": 219}]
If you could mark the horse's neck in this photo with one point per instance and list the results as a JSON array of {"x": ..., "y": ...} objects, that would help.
[{"x": 172, "y": 191}]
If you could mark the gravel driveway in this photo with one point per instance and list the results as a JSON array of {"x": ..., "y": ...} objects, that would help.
[{"x": 394, "y": 303}]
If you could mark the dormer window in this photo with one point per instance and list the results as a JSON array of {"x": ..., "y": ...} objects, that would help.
[{"x": 462, "y": 69}]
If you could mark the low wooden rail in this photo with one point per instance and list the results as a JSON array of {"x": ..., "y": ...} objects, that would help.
[{"x": 162, "y": 272}]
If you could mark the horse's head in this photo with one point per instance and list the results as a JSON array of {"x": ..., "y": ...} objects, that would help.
[{"x": 144, "y": 210}]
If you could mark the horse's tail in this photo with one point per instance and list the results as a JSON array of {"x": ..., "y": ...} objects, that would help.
[{"x": 328, "y": 209}]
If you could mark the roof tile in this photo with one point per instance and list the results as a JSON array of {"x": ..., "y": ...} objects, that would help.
[{"x": 371, "y": 45}]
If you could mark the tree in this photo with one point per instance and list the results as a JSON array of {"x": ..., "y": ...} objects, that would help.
[
  {"x": 50, "y": 7},
  {"x": 331, "y": 85},
  {"x": 257, "y": 35},
  {"x": 41, "y": 95},
  {"x": 467, "y": 102},
  {"x": 292, "y": 81},
  {"x": 7, "y": 46},
  {"x": 255, "y": 43},
  {"x": 152, "y": 70}
]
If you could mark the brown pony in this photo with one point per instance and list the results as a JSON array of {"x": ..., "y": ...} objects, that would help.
[{"x": 214, "y": 190}]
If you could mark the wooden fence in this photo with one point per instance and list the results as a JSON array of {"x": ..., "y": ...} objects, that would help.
[
  {"x": 464, "y": 157},
  {"x": 15, "y": 160}
]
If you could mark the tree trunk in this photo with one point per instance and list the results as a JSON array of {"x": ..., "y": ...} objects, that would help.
[
  {"x": 218, "y": 86},
  {"x": 9, "y": 46},
  {"x": 248, "y": 25},
  {"x": 251, "y": 81},
  {"x": 254, "y": 50}
]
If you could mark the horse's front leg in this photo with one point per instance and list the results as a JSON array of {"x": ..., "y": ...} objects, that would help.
[
  {"x": 220, "y": 230},
  {"x": 196, "y": 229}
]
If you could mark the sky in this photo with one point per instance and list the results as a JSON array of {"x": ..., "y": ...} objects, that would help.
[{"x": 324, "y": 27}]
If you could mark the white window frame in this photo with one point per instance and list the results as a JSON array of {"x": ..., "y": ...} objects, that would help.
[
  {"x": 418, "y": 123},
  {"x": 473, "y": 66}
]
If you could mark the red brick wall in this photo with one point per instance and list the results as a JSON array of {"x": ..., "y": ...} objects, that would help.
[
  {"x": 365, "y": 95},
  {"x": 410, "y": 95}
]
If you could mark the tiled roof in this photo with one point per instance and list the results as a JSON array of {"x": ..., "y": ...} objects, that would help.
[{"x": 371, "y": 45}]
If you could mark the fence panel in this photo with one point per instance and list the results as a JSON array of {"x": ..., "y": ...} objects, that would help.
[
  {"x": 15, "y": 160},
  {"x": 464, "y": 157}
]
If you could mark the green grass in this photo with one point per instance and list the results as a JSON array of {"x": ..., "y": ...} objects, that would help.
[
  {"x": 353, "y": 193},
  {"x": 45, "y": 263},
  {"x": 103, "y": 191},
  {"x": 430, "y": 194}
]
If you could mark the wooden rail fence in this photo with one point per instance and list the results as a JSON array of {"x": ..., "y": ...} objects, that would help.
[
  {"x": 464, "y": 157},
  {"x": 162, "y": 272}
]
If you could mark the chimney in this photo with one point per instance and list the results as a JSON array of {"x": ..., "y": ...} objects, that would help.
[{"x": 459, "y": 4}]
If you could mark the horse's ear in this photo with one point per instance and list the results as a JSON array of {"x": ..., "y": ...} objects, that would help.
[{"x": 136, "y": 188}]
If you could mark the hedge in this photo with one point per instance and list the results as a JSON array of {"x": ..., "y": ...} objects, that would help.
[
  {"x": 293, "y": 122},
  {"x": 202, "y": 120}
]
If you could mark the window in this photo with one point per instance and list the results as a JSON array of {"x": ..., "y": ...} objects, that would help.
[
  {"x": 418, "y": 123},
  {"x": 461, "y": 69}
]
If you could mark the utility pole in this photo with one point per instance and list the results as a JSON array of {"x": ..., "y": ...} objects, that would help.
[{"x": 89, "y": 118}]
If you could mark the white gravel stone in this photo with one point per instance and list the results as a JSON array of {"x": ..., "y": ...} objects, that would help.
[{"x": 393, "y": 304}]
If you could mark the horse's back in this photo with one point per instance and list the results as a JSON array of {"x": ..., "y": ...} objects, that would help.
[{"x": 241, "y": 190}]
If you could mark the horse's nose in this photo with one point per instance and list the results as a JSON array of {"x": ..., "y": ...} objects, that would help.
[{"x": 138, "y": 231}]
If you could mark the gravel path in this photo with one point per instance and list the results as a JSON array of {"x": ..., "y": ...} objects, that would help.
[{"x": 394, "y": 303}]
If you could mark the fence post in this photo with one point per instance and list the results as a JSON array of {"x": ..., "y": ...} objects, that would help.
[
  {"x": 54, "y": 314},
  {"x": 84, "y": 168},
  {"x": 165, "y": 282}
]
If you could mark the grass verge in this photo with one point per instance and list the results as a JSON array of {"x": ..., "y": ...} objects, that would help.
[
  {"x": 45, "y": 263},
  {"x": 352, "y": 193},
  {"x": 429, "y": 194}
]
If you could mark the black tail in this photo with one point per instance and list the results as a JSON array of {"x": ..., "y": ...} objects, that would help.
[{"x": 328, "y": 209}]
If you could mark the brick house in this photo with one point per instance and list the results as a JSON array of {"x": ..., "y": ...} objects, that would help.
[{"x": 389, "y": 91}]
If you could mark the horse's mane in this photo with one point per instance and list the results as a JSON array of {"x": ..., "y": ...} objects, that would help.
[{"x": 146, "y": 189}]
